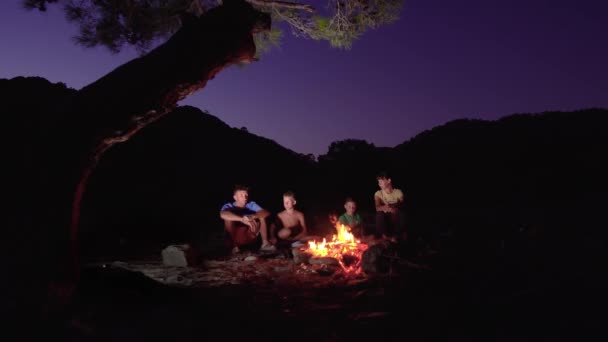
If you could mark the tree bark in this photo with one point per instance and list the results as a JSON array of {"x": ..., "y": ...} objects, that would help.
[{"x": 118, "y": 105}]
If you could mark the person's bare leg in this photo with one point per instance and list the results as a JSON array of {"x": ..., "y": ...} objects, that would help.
[
  {"x": 284, "y": 233},
  {"x": 239, "y": 234},
  {"x": 230, "y": 228},
  {"x": 264, "y": 232},
  {"x": 273, "y": 234}
]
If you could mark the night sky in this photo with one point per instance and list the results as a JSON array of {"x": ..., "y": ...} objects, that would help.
[{"x": 442, "y": 60}]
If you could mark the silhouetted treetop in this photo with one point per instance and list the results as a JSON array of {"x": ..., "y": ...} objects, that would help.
[
  {"x": 142, "y": 23},
  {"x": 347, "y": 149}
]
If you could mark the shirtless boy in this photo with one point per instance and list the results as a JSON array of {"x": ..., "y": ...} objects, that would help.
[{"x": 290, "y": 222}]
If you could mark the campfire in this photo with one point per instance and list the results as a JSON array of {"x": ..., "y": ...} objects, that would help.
[{"x": 343, "y": 247}]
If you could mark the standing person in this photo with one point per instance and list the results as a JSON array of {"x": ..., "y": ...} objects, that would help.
[
  {"x": 244, "y": 220},
  {"x": 351, "y": 218},
  {"x": 290, "y": 222},
  {"x": 390, "y": 217}
]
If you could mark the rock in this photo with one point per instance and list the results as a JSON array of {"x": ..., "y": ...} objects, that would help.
[
  {"x": 251, "y": 258},
  {"x": 179, "y": 255},
  {"x": 373, "y": 261},
  {"x": 300, "y": 256}
]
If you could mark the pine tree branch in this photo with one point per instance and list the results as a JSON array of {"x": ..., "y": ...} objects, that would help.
[{"x": 283, "y": 4}]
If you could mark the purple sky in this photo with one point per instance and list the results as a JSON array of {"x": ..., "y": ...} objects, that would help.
[{"x": 441, "y": 61}]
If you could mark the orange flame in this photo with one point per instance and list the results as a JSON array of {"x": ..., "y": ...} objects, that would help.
[{"x": 343, "y": 248}]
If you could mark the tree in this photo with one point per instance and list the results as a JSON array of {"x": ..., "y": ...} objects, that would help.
[
  {"x": 202, "y": 39},
  {"x": 142, "y": 23},
  {"x": 348, "y": 149}
]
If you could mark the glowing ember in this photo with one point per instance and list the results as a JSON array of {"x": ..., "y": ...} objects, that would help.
[{"x": 343, "y": 248}]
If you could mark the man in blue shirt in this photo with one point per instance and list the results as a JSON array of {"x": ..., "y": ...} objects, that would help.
[{"x": 244, "y": 220}]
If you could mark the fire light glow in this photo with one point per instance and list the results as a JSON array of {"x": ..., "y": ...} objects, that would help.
[{"x": 343, "y": 247}]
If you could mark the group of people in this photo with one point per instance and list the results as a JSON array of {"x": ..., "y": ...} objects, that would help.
[{"x": 245, "y": 221}]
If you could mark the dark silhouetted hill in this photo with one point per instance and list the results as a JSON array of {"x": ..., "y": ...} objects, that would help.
[
  {"x": 513, "y": 207},
  {"x": 484, "y": 182},
  {"x": 169, "y": 182},
  {"x": 521, "y": 169}
]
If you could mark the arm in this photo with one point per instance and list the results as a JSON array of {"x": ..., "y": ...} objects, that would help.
[
  {"x": 304, "y": 231},
  {"x": 230, "y": 216},
  {"x": 273, "y": 233},
  {"x": 255, "y": 220},
  {"x": 380, "y": 205},
  {"x": 360, "y": 224},
  {"x": 261, "y": 214},
  {"x": 400, "y": 201}
]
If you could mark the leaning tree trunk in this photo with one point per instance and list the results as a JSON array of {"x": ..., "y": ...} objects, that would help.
[{"x": 118, "y": 105}]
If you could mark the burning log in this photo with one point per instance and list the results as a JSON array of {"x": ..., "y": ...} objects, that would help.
[
  {"x": 342, "y": 250},
  {"x": 323, "y": 261}
]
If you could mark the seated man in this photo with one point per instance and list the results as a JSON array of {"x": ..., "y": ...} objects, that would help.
[
  {"x": 290, "y": 222},
  {"x": 244, "y": 221},
  {"x": 390, "y": 218}
]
